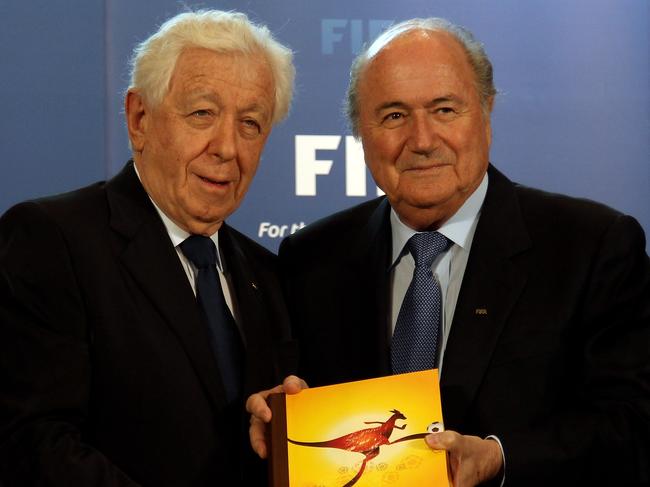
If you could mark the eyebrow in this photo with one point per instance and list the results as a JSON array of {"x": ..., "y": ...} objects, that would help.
[
  {"x": 446, "y": 99},
  {"x": 209, "y": 96},
  {"x": 389, "y": 105},
  {"x": 436, "y": 101},
  {"x": 255, "y": 108},
  {"x": 201, "y": 95}
]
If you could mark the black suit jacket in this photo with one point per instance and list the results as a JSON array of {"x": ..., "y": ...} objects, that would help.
[
  {"x": 550, "y": 343},
  {"x": 106, "y": 374}
]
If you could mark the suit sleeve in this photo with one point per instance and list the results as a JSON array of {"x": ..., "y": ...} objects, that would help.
[
  {"x": 45, "y": 363},
  {"x": 602, "y": 434}
]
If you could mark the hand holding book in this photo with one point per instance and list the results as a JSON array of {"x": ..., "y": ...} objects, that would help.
[
  {"x": 261, "y": 415},
  {"x": 361, "y": 433}
]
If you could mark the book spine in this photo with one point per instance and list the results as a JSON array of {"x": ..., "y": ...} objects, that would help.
[{"x": 278, "y": 453}]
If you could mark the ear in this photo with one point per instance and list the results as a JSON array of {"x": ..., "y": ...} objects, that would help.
[
  {"x": 136, "y": 119},
  {"x": 488, "y": 121},
  {"x": 490, "y": 104}
]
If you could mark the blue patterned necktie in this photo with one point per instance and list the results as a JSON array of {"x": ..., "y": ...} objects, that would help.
[
  {"x": 224, "y": 336},
  {"x": 417, "y": 332}
]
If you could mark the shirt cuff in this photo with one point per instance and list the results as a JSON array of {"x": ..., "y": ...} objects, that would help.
[{"x": 503, "y": 457}]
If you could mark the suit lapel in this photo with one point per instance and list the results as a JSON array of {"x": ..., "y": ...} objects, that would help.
[
  {"x": 369, "y": 285},
  {"x": 152, "y": 261},
  {"x": 491, "y": 285}
]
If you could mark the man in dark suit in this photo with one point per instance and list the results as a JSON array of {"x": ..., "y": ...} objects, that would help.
[
  {"x": 117, "y": 367},
  {"x": 543, "y": 340}
]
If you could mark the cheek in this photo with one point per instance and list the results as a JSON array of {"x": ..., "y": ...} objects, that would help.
[
  {"x": 248, "y": 165},
  {"x": 182, "y": 142},
  {"x": 176, "y": 170},
  {"x": 249, "y": 161},
  {"x": 470, "y": 145},
  {"x": 471, "y": 163},
  {"x": 382, "y": 151},
  {"x": 164, "y": 168}
]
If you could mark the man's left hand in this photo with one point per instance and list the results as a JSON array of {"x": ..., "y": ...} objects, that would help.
[{"x": 261, "y": 413}]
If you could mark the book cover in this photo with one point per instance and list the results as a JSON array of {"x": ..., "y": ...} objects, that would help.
[{"x": 364, "y": 433}]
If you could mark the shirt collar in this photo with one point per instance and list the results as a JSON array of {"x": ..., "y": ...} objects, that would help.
[
  {"x": 457, "y": 228},
  {"x": 176, "y": 234}
]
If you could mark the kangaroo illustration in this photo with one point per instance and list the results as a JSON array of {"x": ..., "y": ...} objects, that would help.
[{"x": 366, "y": 441}]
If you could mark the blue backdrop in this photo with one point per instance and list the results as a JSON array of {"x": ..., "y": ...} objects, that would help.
[{"x": 572, "y": 116}]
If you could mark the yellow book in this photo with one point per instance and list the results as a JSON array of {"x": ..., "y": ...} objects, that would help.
[{"x": 367, "y": 433}]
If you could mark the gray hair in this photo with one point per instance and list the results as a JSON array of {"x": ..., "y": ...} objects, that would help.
[
  {"x": 154, "y": 60},
  {"x": 476, "y": 56}
]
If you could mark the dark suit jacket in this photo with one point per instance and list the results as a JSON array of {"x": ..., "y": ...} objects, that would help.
[
  {"x": 558, "y": 368},
  {"x": 106, "y": 374}
]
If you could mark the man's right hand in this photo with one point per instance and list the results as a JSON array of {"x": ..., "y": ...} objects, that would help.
[
  {"x": 261, "y": 413},
  {"x": 472, "y": 460}
]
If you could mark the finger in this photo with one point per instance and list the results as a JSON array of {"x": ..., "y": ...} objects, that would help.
[
  {"x": 293, "y": 384},
  {"x": 446, "y": 440},
  {"x": 256, "y": 434},
  {"x": 275, "y": 390},
  {"x": 257, "y": 406}
]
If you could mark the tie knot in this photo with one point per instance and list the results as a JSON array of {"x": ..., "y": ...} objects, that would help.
[
  {"x": 426, "y": 246},
  {"x": 200, "y": 250}
]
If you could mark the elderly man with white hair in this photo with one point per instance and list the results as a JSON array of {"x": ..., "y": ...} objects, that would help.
[{"x": 133, "y": 319}]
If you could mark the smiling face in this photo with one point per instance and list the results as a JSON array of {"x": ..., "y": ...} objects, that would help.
[
  {"x": 425, "y": 134},
  {"x": 198, "y": 150}
]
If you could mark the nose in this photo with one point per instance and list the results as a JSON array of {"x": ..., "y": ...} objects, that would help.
[
  {"x": 422, "y": 138},
  {"x": 223, "y": 140}
]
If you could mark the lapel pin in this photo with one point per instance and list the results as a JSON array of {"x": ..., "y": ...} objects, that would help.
[
  {"x": 480, "y": 311},
  {"x": 254, "y": 285}
]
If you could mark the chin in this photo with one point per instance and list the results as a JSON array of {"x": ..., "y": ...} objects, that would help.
[
  {"x": 212, "y": 219},
  {"x": 427, "y": 199},
  {"x": 200, "y": 227},
  {"x": 212, "y": 211}
]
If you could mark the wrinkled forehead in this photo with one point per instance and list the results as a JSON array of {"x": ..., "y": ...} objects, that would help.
[
  {"x": 194, "y": 57},
  {"x": 198, "y": 65}
]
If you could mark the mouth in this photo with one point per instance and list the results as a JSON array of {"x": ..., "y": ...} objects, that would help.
[
  {"x": 424, "y": 168},
  {"x": 213, "y": 183}
]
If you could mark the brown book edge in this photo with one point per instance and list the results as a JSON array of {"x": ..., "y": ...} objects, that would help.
[{"x": 278, "y": 453}]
